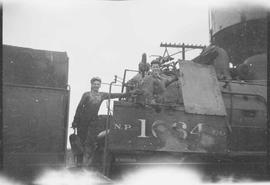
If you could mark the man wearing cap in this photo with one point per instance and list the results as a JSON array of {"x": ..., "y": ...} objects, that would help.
[
  {"x": 87, "y": 113},
  {"x": 155, "y": 84}
]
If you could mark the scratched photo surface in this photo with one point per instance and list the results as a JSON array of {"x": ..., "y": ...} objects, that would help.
[{"x": 179, "y": 90}]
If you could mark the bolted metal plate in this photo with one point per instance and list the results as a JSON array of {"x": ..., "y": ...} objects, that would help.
[{"x": 200, "y": 89}]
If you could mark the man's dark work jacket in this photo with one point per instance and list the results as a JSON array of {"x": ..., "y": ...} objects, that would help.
[{"x": 87, "y": 111}]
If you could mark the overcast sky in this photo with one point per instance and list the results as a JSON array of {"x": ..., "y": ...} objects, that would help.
[{"x": 102, "y": 38}]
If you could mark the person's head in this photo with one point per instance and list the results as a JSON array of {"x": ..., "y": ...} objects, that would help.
[
  {"x": 95, "y": 84},
  {"x": 155, "y": 67}
]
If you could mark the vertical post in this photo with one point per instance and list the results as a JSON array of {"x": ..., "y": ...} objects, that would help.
[
  {"x": 268, "y": 102},
  {"x": 1, "y": 95},
  {"x": 104, "y": 170},
  {"x": 231, "y": 104},
  {"x": 67, "y": 97},
  {"x": 124, "y": 80},
  {"x": 183, "y": 51},
  {"x": 164, "y": 52},
  {"x": 210, "y": 26}
]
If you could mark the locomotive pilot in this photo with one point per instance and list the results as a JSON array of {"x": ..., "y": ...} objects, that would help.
[{"x": 86, "y": 116}]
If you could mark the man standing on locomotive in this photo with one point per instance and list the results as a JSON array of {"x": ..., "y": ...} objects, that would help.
[
  {"x": 155, "y": 84},
  {"x": 86, "y": 114}
]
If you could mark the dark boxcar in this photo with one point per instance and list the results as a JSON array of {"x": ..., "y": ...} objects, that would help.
[
  {"x": 35, "y": 110},
  {"x": 35, "y": 67}
]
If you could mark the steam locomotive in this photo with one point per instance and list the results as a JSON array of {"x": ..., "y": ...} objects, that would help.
[
  {"x": 214, "y": 117},
  {"x": 201, "y": 120}
]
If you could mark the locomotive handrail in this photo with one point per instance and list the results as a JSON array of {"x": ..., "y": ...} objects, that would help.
[
  {"x": 243, "y": 94},
  {"x": 106, "y": 128},
  {"x": 247, "y": 82},
  {"x": 104, "y": 83},
  {"x": 246, "y": 94},
  {"x": 124, "y": 78}
]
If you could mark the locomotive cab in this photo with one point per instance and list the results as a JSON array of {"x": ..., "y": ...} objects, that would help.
[
  {"x": 179, "y": 127},
  {"x": 201, "y": 120}
]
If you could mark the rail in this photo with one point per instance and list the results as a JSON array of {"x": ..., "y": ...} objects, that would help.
[
  {"x": 124, "y": 78},
  {"x": 104, "y": 170}
]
